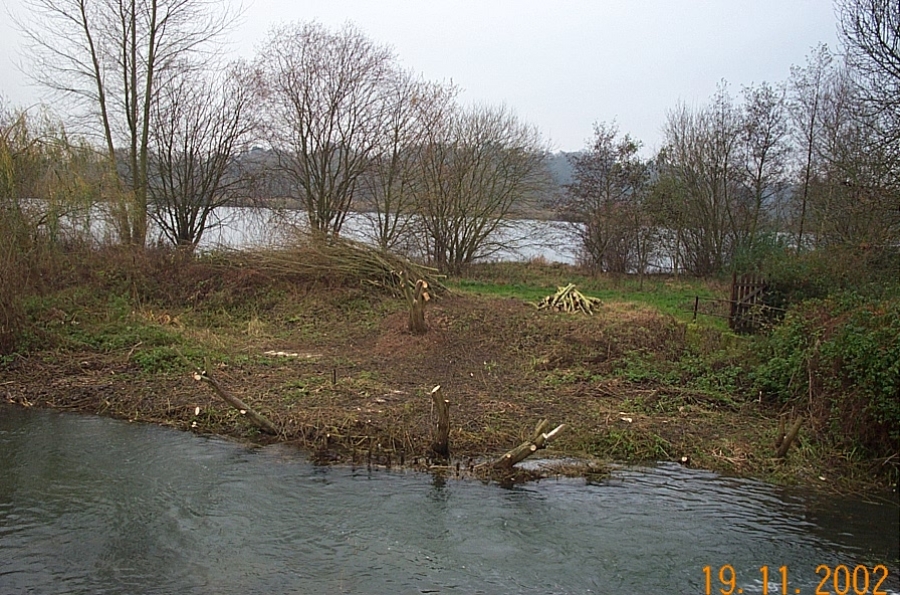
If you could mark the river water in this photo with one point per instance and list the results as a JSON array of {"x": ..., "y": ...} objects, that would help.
[{"x": 93, "y": 505}]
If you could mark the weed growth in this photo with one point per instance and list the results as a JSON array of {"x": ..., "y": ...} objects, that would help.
[{"x": 838, "y": 360}]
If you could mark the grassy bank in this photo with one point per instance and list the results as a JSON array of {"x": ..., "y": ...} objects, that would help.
[{"x": 329, "y": 360}]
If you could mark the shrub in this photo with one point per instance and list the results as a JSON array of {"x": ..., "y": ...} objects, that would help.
[
  {"x": 14, "y": 250},
  {"x": 819, "y": 273},
  {"x": 840, "y": 359}
]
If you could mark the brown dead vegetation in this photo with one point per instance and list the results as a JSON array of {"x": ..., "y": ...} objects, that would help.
[{"x": 335, "y": 368}]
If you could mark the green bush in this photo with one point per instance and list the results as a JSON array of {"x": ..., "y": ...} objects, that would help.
[
  {"x": 839, "y": 359},
  {"x": 792, "y": 278}
]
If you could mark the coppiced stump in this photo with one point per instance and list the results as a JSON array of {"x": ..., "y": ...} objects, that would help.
[{"x": 441, "y": 443}]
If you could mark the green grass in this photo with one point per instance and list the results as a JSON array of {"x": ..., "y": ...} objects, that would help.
[
  {"x": 518, "y": 291},
  {"x": 531, "y": 282},
  {"x": 629, "y": 445},
  {"x": 80, "y": 319}
]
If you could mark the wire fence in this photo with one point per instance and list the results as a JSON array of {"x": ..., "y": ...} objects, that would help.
[{"x": 746, "y": 311}]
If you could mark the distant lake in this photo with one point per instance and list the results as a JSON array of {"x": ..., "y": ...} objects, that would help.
[
  {"x": 526, "y": 238},
  {"x": 241, "y": 227}
]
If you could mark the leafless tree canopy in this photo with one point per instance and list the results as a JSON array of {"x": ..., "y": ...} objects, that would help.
[
  {"x": 350, "y": 128},
  {"x": 700, "y": 159},
  {"x": 808, "y": 85},
  {"x": 475, "y": 166},
  {"x": 326, "y": 97},
  {"x": 606, "y": 201},
  {"x": 392, "y": 183},
  {"x": 113, "y": 57},
  {"x": 871, "y": 31},
  {"x": 764, "y": 156},
  {"x": 201, "y": 124}
]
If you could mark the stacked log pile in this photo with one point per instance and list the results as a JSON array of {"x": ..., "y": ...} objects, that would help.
[{"x": 569, "y": 299}]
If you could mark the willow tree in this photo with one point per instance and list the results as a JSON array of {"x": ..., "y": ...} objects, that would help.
[
  {"x": 870, "y": 32},
  {"x": 765, "y": 151},
  {"x": 606, "y": 199},
  {"x": 700, "y": 166},
  {"x": 808, "y": 86},
  {"x": 112, "y": 57},
  {"x": 325, "y": 94},
  {"x": 391, "y": 183},
  {"x": 202, "y": 123},
  {"x": 476, "y": 166}
]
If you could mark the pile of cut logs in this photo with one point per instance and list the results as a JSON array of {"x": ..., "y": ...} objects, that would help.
[{"x": 569, "y": 299}]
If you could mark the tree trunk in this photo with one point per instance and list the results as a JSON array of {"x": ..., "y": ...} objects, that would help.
[
  {"x": 538, "y": 441},
  {"x": 441, "y": 444}
]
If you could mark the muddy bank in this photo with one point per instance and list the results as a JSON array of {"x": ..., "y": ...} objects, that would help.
[{"x": 339, "y": 374}]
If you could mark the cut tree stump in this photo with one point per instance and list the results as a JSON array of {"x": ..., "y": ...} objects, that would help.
[
  {"x": 258, "y": 420},
  {"x": 441, "y": 444},
  {"x": 539, "y": 440},
  {"x": 784, "y": 441},
  {"x": 416, "y": 299}
]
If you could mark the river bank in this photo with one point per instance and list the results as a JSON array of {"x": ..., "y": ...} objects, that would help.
[{"x": 333, "y": 365}]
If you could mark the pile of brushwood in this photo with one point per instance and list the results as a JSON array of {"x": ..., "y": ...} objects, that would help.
[
  {"x": 569, "y": 299},
  {"x": 340, "y": 259}
]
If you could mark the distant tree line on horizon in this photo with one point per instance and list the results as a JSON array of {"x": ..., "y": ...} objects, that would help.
[
  {"x": 812, "y": 163},
  {"x": 166, "y": 132}
]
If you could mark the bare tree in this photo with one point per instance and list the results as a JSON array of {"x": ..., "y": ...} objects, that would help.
[
  {"x": 699, "y": 167},
  {"x": 808, "y": 86},
  {"x": 389, "y": 184},
  {"x": 871, "y": 35},
  {"x": 606, "y": 202},
  {"x": 855, "y": 204},
  {"x": 325, "y": 95},
  {"x": 765, "y": 152},
  {"x": 201, "y": 123},
  {"x": 474, "y": 168},
  {"x": 113, "y": 57}
]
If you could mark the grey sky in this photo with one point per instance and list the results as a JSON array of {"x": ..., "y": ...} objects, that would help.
[{"x": 561, "y": 65}]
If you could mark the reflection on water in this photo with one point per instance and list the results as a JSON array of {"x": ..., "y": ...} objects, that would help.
[{"x": 92, "y": 505}]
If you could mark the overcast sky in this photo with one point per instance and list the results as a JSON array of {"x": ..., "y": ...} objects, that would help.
[{"x": 561, "y": 65}]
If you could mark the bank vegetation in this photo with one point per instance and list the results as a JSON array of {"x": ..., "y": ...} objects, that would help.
[{"x": 797, "y": 182}]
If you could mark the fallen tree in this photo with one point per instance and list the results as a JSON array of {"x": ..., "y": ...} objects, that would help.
[
  {"x": 538, "y": 441},
  {"x": 258, "y": 420}
]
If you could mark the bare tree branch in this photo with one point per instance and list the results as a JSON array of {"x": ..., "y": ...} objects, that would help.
[{"x": 112, "y": 57}]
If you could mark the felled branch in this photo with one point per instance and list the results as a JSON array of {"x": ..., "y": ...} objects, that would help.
[
  {"x": 258, "y": 420},
  {"x": 539, "y": 440},
  {"x": 569, "y": 299}
]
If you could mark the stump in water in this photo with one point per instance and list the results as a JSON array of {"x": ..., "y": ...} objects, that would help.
[
  {"x": 539, "y": 440},
  {"x": 441, "y": 444}
]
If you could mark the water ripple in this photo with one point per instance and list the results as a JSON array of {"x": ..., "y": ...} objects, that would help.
[{"x": 90, "y": 505}]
